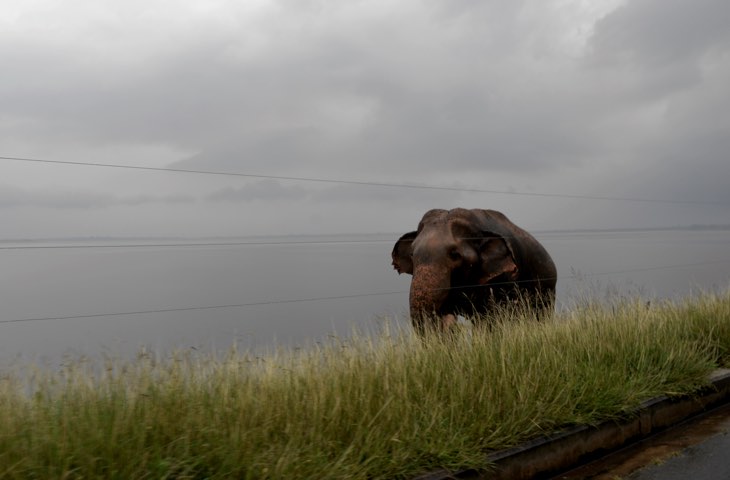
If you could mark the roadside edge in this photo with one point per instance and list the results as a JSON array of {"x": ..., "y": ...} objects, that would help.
[{"x": 551, "y": 454}]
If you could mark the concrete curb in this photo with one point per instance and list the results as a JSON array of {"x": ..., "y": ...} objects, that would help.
[{"x": 552, "y": 454}]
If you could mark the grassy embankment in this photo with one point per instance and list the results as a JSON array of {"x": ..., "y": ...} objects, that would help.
[{"x": 387, "y": 408}]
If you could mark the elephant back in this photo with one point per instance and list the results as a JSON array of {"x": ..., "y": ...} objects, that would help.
[{"x": 532, "y": 259}]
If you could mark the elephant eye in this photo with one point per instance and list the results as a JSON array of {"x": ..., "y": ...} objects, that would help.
[{"x": 454, "y": 255}]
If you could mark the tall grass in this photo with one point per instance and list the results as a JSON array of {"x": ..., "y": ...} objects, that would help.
[{"x": 382, "y": 407}]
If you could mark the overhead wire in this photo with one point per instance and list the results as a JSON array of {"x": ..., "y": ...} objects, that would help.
[
  {"x": 301, "y": 242},
  {"x": 358, "y": 182},
  {"x": 135, "y": 243},
  {"x": 337, "y": 297},
  {"x": 199, "y": 308},
  {"x": 195, "y": 244}
]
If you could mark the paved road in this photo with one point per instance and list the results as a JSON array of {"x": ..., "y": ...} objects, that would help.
[
  {"x": 708, "y": 460},
  {"x": 697, "y": 450}
]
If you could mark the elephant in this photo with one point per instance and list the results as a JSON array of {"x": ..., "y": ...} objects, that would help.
[{"x": 471, "y": 262}]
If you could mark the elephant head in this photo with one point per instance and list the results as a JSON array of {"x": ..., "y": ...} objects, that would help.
[{"x": 466, "y": 261}]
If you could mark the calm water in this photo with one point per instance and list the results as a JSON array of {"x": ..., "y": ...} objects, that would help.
[{"x": 62, "y": 282}]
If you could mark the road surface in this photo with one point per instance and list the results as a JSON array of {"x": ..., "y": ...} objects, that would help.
[{"x": 696, "y": 449}]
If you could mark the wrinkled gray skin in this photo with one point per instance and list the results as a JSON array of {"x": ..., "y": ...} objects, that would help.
[{"x": 468, "y": 262}]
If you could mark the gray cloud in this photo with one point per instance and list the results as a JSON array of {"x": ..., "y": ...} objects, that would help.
[
  {"x": 604, "y": 98},
  {"x": 654, "y": 49},
  {"x": 80, "y": 199},
  {"x": 649, "y": 34},
  {"x": 665, "y": 68},
  {"x": 261, "y": 191}
]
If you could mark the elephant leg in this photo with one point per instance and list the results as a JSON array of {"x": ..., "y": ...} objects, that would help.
[{"x": 447, "y": 322}]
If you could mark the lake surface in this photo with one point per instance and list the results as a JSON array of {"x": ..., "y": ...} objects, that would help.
[{"x": 260, "y": 292}]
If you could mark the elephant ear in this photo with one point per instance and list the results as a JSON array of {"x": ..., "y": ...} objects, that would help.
[
  {"x": 402, "y": 253},
  {"x": 497, "y": 259}
]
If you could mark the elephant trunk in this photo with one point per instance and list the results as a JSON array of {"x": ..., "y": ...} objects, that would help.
[{"x": 429, "y": 289}]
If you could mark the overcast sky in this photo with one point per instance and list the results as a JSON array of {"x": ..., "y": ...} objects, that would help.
[{"x": 604, "y": 98}]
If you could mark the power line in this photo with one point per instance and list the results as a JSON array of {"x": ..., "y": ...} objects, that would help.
[
  {"x": 359, "y": 183},
  {"x": 28, "y": 244},
  {"x": 648, "y": 269},
  {"x": 135, "y": 243},
  {"x": 196, "y": 244},
  {"x": 210, "y": 307},
  {"x": 338, "y": 297}
]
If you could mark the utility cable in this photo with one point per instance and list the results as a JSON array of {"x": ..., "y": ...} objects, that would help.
[
  {"x": 197, "y": 244},
  {"x": 49, "y": 244},
  {"x": 359, "y": 183},
  {"x": 210, "y": 307},
  {"x": 341, "y": 297}
]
